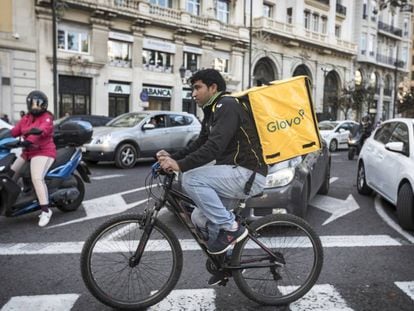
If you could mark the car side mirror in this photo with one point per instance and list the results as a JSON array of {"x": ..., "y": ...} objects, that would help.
[
  {"x": 396, "y": 146},
  {"x": 148, "y": 126}
]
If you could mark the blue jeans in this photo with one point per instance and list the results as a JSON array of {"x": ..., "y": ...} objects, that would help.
[{"x": 216, "y": 189}]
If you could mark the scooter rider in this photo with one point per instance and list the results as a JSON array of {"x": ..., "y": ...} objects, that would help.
[
  {"x": 366, "y": 127},
  {"x": 40, "y": 150}
]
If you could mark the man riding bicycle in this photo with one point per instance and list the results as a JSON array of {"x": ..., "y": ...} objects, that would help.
[{"x": 228, "y": 137}]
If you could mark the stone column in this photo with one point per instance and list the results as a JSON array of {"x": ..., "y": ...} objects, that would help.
[
  {"x": 137, "y": 68},
  {"x": 177, "y": 98}
]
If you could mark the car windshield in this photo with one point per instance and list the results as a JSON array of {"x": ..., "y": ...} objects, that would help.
[
  {"x": 127, "y": 120},
  {"x": 327, "y": 126}
]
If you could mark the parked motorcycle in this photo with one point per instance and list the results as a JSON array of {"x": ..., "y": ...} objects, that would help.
[{"x": 65, "y": 179}]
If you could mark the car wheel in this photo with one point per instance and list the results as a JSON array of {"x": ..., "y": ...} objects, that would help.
[
  {"x": 405, "y": 207},
  {"x": 362, "y": 186},
  {"x": 126, "y": 155},
  {"x": 333, "y": 145},
  {"x": 324, "y": 189}
]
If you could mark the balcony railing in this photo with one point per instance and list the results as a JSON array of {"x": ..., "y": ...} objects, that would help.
[
  {"x": 340, "y": 9},
  {"x": 323, "y": 1},
  {"x": 389, "y": 28},
  {"x": 384, "y": 59}
]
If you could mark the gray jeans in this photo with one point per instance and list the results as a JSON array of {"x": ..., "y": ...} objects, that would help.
[{"x": 216, "y": 189}]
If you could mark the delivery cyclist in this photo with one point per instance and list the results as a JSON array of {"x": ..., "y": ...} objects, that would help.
[{"x": 229, "y": 138}]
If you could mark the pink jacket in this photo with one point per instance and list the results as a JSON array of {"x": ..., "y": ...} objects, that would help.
[{"x": 41, "y": 144}]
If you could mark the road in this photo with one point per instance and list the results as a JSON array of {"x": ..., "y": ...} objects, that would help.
[{"x": 369, "y": 260}]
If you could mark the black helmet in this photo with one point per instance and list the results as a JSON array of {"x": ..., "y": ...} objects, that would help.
[
  {"x": 40, "y": 99},
  {"x": 366, "y": 121}
]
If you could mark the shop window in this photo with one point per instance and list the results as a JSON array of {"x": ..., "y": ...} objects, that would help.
[
  {"x": 157, "y": 61},
  {"x": 193, "y": 7},
  {"x": 223, "y": 11},
  {"x": 119, "y": 53},
  {"x": 71, "y": 39}
]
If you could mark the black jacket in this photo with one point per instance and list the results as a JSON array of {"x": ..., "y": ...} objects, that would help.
[{"x": 228, "y": 136}]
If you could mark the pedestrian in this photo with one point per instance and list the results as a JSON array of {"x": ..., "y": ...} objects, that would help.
[
  {"x": 229, "y": 138},
  {"x": 22, "y": 113},
  {"x": 5, "y": 118},
  {"x": 40, "y": 150}
]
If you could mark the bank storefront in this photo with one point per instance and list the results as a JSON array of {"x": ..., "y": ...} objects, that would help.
[
  {"x": 119, "y": 93},
  {"x": 159, "y": 97}
]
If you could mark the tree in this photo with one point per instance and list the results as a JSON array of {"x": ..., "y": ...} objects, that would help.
[
  {"x": 405, "y": 99},
  {"x": 355, "y": 98}
]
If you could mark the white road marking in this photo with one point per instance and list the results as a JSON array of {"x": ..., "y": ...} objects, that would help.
[
  {"x": 7, "y": 249},
  {"x": 106, "y": 177},
  {"x": 380, "y": 211},
  {"x": 189, "y": 300},
  {"x": 336, "y": 207},
  {"x": 41, "y": 302},
  {"x": 104, "y": 206},
  {"x": 407, "y": 287},
  {"x": 333, "y": 179},
  {"x": 320, "y": 297}
]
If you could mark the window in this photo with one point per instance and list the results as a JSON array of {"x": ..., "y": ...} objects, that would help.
[
  {"x": 193, "y": 7},
  {"x": 223, "y": 11},
  {"x": 163, "y": 3},
  {"x": 384, "y": 132},
  {"x": 307, "y": 19},
  {"x": 374, "y": 10},
  {"x": 324, "y": 24},
  {"x": 364, "y": 10},
  {"x": 289, "y": 14},
  {"x": 315, "y": 22},
  {"x": 371, "y": 44},
  {"x": 179, "y": 120},
  {"x": 405, "y": 27},
  {"x": 338, "y": 31},
  {"x": 157, "y": 61},
  {"x": 119, "y": 53},
  {"x": 191, "y": 61},
  {"x": 72, "y": 39},
  {"x": 363, "y": 43},
  {"x": 221, "y": 62},
  {"x": 267, "y": 10}
]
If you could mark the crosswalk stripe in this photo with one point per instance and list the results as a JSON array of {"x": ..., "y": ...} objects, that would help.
[
  {"x": 188, "y": 300},
  {"x": 106, "y": 177},
  {"x": 407, "y": 287},
  {"x": 189, "y": 245},
  {"x": 320, "y": 297},
  {"x": 62, "y": 302}
]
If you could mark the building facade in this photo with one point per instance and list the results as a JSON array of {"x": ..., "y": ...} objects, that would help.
[{"x": 114, "y": 56}]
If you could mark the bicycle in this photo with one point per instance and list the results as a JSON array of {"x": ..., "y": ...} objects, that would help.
[{"x": 134, "y": 261}]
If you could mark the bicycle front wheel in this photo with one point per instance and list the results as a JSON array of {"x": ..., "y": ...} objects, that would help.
[
  {"x": 107, "y": 270},
  {"x": 295, "y": 243}
]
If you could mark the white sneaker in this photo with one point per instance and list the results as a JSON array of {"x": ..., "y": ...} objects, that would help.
[{"x": 45, "y": 218}]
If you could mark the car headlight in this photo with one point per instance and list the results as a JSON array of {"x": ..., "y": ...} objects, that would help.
[
  {"x": 103, "y": 139},
  {"x": 280, "y": 178}
]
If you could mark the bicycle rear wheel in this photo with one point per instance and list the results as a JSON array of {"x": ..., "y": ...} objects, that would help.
[
  {"x": 106, "y": 269},
  {"x": 293, "y": 240}
]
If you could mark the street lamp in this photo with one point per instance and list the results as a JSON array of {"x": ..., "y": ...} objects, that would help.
[{"x": 182, "y": 71}]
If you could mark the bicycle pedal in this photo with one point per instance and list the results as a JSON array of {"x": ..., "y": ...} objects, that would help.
[{"x": 223, "y": 282}]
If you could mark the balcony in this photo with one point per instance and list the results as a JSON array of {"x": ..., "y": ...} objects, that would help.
[
  {"x": 340, "y": 9},
  {"x": 323, "y": 1},
  {"x": 294, "y": 35},
  {"x": 390, "y": 29},
  {"x": 145, "y": 13},
  {"x": 391, "y": 61}
]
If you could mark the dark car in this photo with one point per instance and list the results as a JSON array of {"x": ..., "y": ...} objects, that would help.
[
  {"x": 291, "y": 184},
  {"x": 94, "y": 120}
]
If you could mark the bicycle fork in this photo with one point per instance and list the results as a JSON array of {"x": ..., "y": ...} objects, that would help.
[{"x": 148, "y": 226}]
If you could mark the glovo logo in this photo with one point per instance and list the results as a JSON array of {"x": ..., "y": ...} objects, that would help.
[{"x": 279, "y": 125}]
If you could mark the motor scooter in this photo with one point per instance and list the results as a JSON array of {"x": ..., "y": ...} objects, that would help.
[
  {"x": 65, "y": 178},
  {"x": 356, "y": 140}
]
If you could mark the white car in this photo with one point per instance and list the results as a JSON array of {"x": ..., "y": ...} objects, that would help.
[
  {"x": 4, "y": 124},
  {"x": 336, "y": 133},
  {"x": 386, "y": 165}
]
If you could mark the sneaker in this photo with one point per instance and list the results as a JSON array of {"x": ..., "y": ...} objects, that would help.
[
  {"x": 217, "y": 279},
  {"x": 45, "y": 218},
  {"x": 226, "y": 239}
]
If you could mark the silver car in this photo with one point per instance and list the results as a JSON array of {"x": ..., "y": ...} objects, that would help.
[{"x": 141, "y": 134}]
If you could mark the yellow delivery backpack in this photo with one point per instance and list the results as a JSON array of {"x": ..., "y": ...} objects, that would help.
[{"x": 285, "y": 118}]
